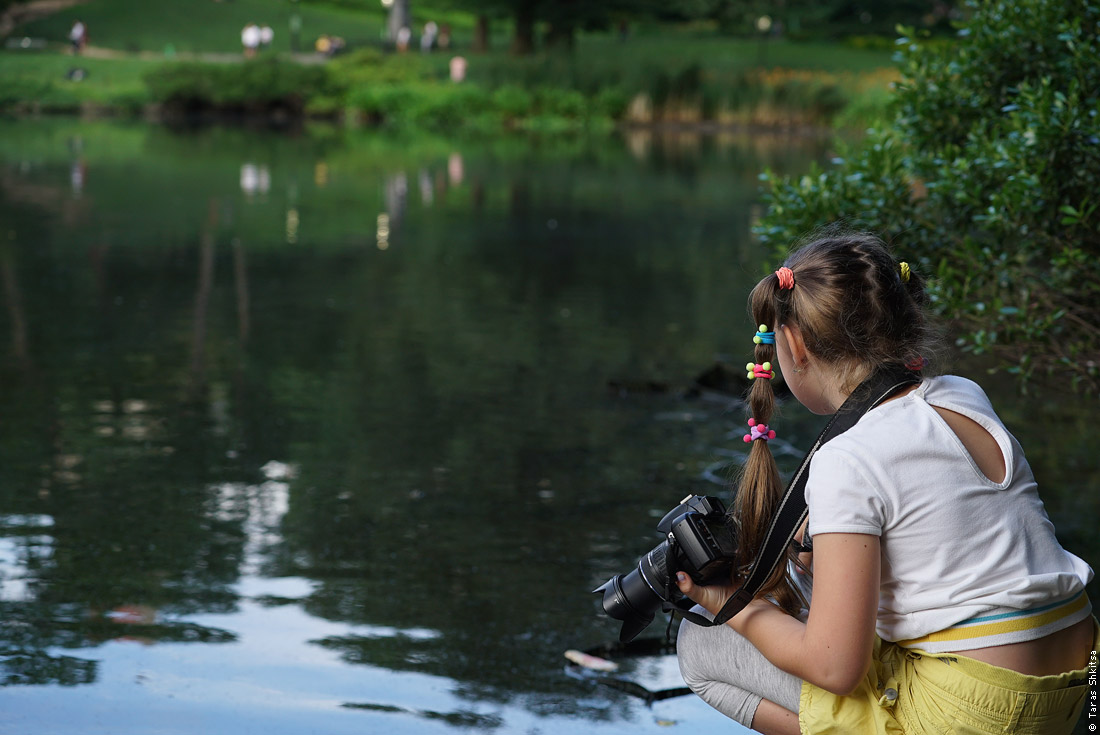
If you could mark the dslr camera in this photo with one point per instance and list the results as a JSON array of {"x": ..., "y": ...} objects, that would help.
[{"x": 700, "y": 541}]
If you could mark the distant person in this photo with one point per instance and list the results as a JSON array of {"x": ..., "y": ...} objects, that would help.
[
  {"x": 427, "y": 39},
  {"x": 78, "y": 37},
  {"x": 403, "y": 37},
  {"x": 329, "y": 45},
  {"x": 444, "y": 41},
  {"x": 78, "y": 173},
  {"x": 295, "y": 31},
  {"x": 250, "y": 40},
  {"x": 458, "y": 69},
  {"x": 267, "y": 35}
]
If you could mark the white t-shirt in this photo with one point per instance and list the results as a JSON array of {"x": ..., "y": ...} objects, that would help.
[{"x": 966, "y": 562}]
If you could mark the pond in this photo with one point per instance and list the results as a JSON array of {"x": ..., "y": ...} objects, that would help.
[{"x": 336, "y": 431}]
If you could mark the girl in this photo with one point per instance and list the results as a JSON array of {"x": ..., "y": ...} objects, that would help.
[{"x": 941, "y": 600}]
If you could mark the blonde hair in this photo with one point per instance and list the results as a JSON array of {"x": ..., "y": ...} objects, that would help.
[{"x": 857, "y": 314}]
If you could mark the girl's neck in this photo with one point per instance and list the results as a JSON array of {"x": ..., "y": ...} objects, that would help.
[{"x": 836, "y": 382}]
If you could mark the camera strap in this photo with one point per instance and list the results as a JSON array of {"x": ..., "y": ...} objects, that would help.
[{"x": 792, "y": 509}]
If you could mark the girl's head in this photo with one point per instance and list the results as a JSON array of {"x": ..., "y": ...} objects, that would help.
[{"x": 854, "y": 309}]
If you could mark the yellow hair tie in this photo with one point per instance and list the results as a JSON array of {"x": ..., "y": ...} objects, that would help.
[{"x": 904, "y": 271}]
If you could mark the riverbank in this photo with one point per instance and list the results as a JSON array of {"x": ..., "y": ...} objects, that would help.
[{"x": 590, "y": 89}]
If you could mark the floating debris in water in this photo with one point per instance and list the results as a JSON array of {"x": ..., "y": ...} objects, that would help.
[{"x": 589, "y": 661}]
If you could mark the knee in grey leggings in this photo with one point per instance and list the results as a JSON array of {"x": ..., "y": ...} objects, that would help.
[{"x": 729, "y": 674}]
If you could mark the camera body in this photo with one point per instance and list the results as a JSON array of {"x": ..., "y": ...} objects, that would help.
[{"x": 699, "y": 540}]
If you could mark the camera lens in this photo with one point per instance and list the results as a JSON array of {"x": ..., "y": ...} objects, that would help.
[{"x": 635, "y": 598}]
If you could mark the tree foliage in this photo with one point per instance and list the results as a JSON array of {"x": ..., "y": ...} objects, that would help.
[
  {"x": 562, "y": 18},
  {"x": 988, "y": 177}
]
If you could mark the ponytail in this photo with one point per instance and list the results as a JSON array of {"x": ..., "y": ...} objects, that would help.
[{"x": 760, "y": 484}]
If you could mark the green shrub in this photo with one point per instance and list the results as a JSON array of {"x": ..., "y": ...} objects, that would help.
[
  {"x": 611, "y": 103},
  {"x": 566, "y": 103},
  {"x": 255, "y": 84},
  {"x": 423, "y": 104},
  {"x": 371, "y": 66},
  {"x": 513, "y": 101},
  {"x": 381, "y": 102},
  {"x": 988, "y": 177},
  {"x": 19, "y": 91}
]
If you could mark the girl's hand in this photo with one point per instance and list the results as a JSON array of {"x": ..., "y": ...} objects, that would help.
[{"x": 712, "y": 596}]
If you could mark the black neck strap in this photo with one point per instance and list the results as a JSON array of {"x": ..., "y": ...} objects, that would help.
[{"x": 792, "y": 508}]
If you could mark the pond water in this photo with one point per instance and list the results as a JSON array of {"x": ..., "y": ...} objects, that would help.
[{"x": 335, "y": 431}]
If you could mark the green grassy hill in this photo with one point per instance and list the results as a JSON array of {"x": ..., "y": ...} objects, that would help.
[
  {"x": 214, "y": 26},
  {"x": 204, "y": 25}
]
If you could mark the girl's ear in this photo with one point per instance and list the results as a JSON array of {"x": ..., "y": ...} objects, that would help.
[{"x": 795, "y": 344}]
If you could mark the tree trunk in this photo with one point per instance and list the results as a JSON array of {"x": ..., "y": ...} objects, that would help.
[
  {"x": 562, "y": 16},
  {"x": 523, "y": 42},
  {"x": 399, "y": 18},
  {"x": 481, "y": 34}
]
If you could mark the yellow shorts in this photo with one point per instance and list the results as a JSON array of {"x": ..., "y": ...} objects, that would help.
[{"x": 913, "y": 692}]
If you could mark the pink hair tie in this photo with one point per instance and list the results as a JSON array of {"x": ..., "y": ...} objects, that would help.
[
  {"x": 756, "y": 370},
  {"x": 786, "y": 277},
  {"x": 758, "y": 431}
]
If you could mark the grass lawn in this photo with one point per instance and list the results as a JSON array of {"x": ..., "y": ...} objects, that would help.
[
  {"x": 204, "y": 25},
  {"x": 42, "y": 75},
  {"x": 214, "y": 26}
]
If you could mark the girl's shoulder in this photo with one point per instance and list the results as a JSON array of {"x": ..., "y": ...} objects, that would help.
[
  {"x": 880, "y": 432},
  {"x": 952, "y": 386},
  {"x": 961, "y": 395}
]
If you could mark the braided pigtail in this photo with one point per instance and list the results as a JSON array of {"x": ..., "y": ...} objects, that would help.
[{"x": 761, "y": 486}]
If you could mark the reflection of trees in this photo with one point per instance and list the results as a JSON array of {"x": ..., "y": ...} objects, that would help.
[
  {"x": 470, "y": 464},
  {"x": 99, "y": 442},
  {"x": 13, "y": 300}
]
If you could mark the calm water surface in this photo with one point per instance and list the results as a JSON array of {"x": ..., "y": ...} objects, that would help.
[{"x": 334, "y": 432}]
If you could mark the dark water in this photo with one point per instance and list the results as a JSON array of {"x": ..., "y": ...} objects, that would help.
[{"x": 334, "y": 432}]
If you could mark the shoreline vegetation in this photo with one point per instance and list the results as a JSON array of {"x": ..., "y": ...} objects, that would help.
[
  {"x": 653, "y": 77},
  {"x": 366, "y": 89}
]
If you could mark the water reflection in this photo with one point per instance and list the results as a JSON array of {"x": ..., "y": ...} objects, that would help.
[
  {"x": 255, "y": 180},
  {"x": 346, "y": 439}
]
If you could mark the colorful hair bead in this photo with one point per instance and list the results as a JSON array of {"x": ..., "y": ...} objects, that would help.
[
  {"x": 903, "y": 270},
  {"x": 786, "y": 277},
  {"x": 763, "y": 336},
  {"x": 758, "y": 431},
  {"x": 756, "y": 370}
]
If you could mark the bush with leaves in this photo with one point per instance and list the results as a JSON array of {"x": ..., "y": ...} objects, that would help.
[
  {"x": 988, "y": 176},
  {"x": 254, "y": 86}
]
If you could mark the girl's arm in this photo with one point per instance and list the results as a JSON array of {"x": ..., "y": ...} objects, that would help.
[{"x": 832, "y": 649}]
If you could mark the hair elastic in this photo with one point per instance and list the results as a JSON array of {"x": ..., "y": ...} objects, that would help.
[
  {"x": 756, "y": 370},
  {"x": 763, "y": 336},
  {"x": 786, "y": 277},
  {"x": 903, "y": 269},
  {"x": 758, "y": 431},
  {"x": 917, "y": 364}
]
